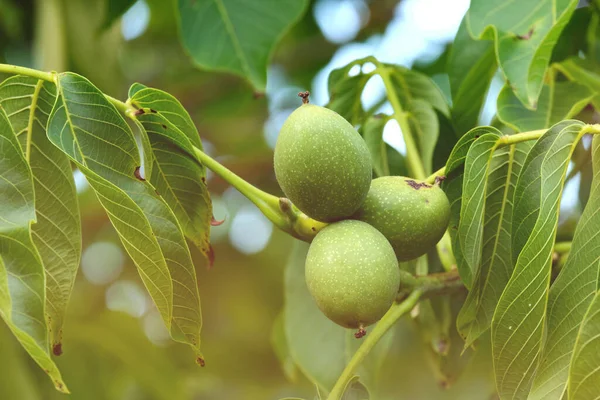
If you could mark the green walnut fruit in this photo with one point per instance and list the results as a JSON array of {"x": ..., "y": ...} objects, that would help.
[
  {"x": 322, "y": 163},
  {"x": 352, "y": 273},
  {"x": 412, "y": 215}
]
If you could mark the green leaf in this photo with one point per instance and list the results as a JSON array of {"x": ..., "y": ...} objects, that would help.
[
  {"x": 519, "y": 320},
  {"x": 557, "y": 101},
  {"x": 496, "y": 265},
  {"x": 114, "y": 9},
  {"x": 22, "y": 280},
  {"x": 93, "y": 134},
  {"x": 282, "y": 349},
  {"x": 57, "y": 232},
  {"x": 453, "y": 186},
  {"x": 317, "y": 345},
  {"x": 412, "y": 85},
  {"x": 584, "y": 375},
  {"x": 570, "y": 296},
  {"x": 345, "y": 90},
  {"x": 477, "y": 168},
  {"x": 235, "y": 35},
  {"x": 471, "y": 67},
  {"x": 525, "y": 33},
  {"x": 177, "y": 175},
  {"x": 584, "y": 72},
  {"x": 425, "y": 126},
  {"x": 372, "y": 133},
  {"x": 355, "y": 390}
]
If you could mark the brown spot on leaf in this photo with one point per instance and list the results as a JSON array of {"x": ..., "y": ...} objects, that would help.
[
  {"x": 164, "y": 126},
  {"x": 258, "y": 95},
  {"x": 417, "y": 185},
  {"x": 153, "y": 111},
  {"x": 137, "y": 174},
  {"x": 215, "y": 222},
  {"x": 527, "y": 36},
  {"x": 139, "y": 112},
  {"x": 204, "y": 179},
  {"x": 57, "y": 349},
  {"x": 200, "y": 361}
]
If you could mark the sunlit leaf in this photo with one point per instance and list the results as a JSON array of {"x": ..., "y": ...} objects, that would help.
[
  {"x": 96, "y": 137},
  {"x": 519, "y": 320},
  {"x": 570, "y": 296},
  {"x": 237, "y": 36},
  {"x": 525, "y": 33},
  {"x": 57, "y": 232},
  {"x": 471, "y": 67},
  {"x": 177, "y": 176},
  {"x": 22, "y": 279},
  {"x": 584, "y": 375},
  {"x": 557, "y": 101}
]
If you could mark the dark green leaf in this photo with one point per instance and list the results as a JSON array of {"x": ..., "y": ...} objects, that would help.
[
  {"x": 584, "y": 375},
  {"x": 372, "y": 133},
  {"x": 345, "y": 90},
  {"x": 57, "y": 232},
  {"x": 525, "y": 33},
  {"x": 114, "y": 10},
  {"x": 584, "y": 72},
  {"x": 22, "y": 280},
  {"x": 519, "y": 320},
  {"x": 570, "y": 296},
  {"x": 471, "y": 67},
  {"x": 236, "y": 36},
  {"x": 425, "y": 127}
]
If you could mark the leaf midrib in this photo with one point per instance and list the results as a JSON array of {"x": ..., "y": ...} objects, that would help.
[{"x": 236, "y": 44}]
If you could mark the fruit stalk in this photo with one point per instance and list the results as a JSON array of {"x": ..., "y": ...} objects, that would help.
[
  {"x": 280, "y": 211},
  {"x": 389, "y": 319},
  {"x": 430, "y": 285}
]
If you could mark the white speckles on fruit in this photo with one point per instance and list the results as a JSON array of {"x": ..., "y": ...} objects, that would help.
[
  {"x": 412, "y": 215},
  {"x": 322, "y": 164},
  {"x": 352, "y": 273}
]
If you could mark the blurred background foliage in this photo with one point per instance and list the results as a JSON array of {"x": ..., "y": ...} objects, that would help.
[{"x": 115, "y": 346}]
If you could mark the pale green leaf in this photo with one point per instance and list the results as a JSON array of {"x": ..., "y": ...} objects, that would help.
[
  {"x": 94, "y": 135},
  {"x": 355, "y": 390},
  {"x": 237, "y": 36},
  {"x": 570, "y": 296},
  {"x": 525, "y": 33},
  {"x": 317, "y": 345},
  {"x": 412, "y": 85},
  {"x": 584, "y": 375},
  {"x": 496, "y": 263},
  {"x": 557, "y": 101},
  {"x": 519, "y": 320},
  {"x": 471, "y": 67},
  {"x": 22, "y": 279},
  {"x": 177, "y": 175},
  {"x": 57, "y": 232},
  {"x": 282, "y": 349}
]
